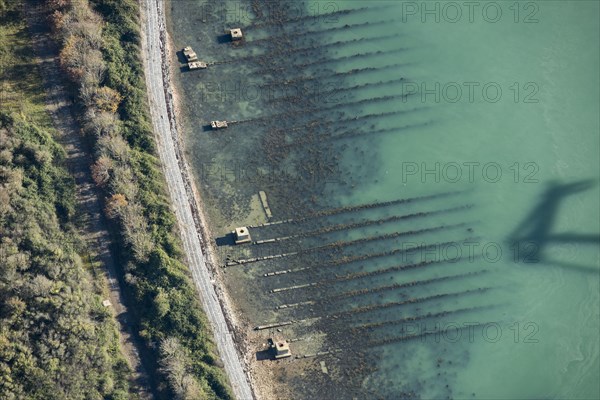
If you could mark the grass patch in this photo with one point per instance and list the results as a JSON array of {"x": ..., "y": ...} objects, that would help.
[{"x": 21, "y": 89}]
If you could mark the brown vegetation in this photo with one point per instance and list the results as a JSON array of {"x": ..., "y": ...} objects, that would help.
[{"x": 99, "y": 55}]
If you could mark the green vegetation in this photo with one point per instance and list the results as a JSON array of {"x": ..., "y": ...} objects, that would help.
[
  {"x": 56, "y": 339},
  {"x": 21, "y": 91},
  {"x": 100, "y": 54}
]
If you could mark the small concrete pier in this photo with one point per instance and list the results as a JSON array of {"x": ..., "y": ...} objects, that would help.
[
  {"x": 218, "y": 125},
  {"x": 197, "y": 65},
  {"x": 192, "y": 59},
  {"x": 189, "y": 54}
]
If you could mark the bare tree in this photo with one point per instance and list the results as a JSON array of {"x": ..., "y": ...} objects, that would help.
[
  {"x": 93, "y": 69},
  {"x": 101, "y": 123},
  {"x": 135, "y": 228},
  {"x": 123, "y": 181},
  {"x": 101, "y": 170},
  {"x": 115, "y": 147},
  {"x": 174, "y": 365}
]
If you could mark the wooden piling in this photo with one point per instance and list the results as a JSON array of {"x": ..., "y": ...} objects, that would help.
[
  {"x": 338, "y": 90},
  {"x": 341, "y": 244},
  {"x": 265, "y": 204},
  {"x": 369, "y": 308},
  {"x": 333, "y": 29},
  {"x": 364, "y": 257},
  {"x": 320, "y": 353},
  {"x": 256, "y": 259},
  {"x": 275, "y": 325},
  {"x": 374, "y": 307},
  {"x": 343, "y": 74},
  {"x": 326, "y": 60},
  {"x": 304, "y": 303},
  {"x": 311, "y": 16},
  {"x": 396, "y": 339},
  {"x": 300, "y": 50},
  {"x": 363, "y": 224},
  {"x": 278, "y": 117},
  {"x": 345, "y": 209},
  {"x": 366, "y": 291},
  {"x": 292, "y": 287},
  {"x": 416, "y": 318}
]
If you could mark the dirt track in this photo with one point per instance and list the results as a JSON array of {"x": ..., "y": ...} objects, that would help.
[
  {"x": 93, "y": 228},
  {"x": 156, "y": 56}
]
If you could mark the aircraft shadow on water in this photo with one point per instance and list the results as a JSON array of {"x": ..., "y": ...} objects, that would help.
[{"x": 534, "y": 237}]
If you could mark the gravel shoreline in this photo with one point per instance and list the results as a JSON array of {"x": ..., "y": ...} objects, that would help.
[{"x": 194, "y": 231}]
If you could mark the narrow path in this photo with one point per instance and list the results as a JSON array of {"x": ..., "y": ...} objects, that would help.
[
  {"x": 96, "y": 236},
  {"x": 156, "y": 66}
]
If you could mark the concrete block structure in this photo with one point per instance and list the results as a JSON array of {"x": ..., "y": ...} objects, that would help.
[
  {"x": 242, "y": 235},
  {"x": 236, "y": 34},
  {"x": 218, "y": 124},
  {"x": 280, "y": 348}
]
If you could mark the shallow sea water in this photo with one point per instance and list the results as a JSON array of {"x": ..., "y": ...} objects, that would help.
[{"x": 487, "y": 118}]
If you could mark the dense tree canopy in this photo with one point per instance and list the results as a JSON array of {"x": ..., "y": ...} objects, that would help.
[
  {"x": 115, "y": 116},
  {"x": 56, "y": 339}
]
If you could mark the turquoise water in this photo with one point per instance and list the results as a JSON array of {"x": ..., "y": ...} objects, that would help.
[{"x": 521, "y": 150}]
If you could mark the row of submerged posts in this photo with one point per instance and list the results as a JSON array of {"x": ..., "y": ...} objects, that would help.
[
  {"x": 293, "y": 294},
  {"x": 276, "y": 347},
  {"x": 242, "y": 236}
]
